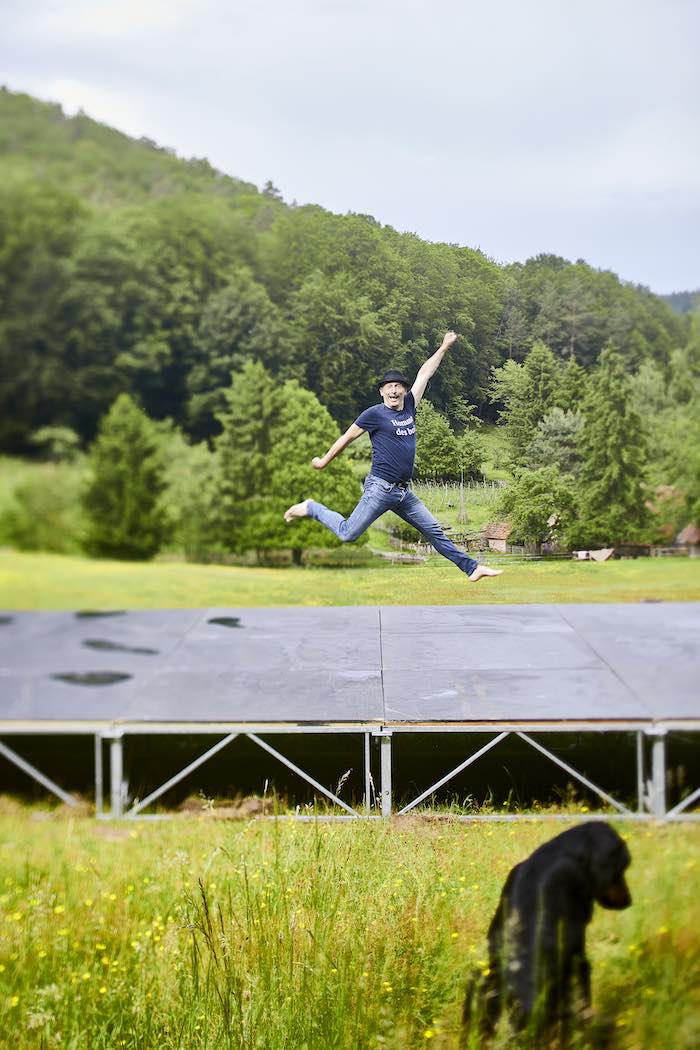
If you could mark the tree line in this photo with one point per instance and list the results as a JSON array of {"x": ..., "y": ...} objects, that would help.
[
  {"x": 124, "y": 269},
  {"x": 601, "y": 457},
  {"x": 242, "y": 332}
]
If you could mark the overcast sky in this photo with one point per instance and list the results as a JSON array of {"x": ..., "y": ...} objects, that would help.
[{"x": 516, "y": 126}]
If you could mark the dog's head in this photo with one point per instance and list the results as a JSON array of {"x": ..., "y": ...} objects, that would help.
[{"x": 606, "y": 857}]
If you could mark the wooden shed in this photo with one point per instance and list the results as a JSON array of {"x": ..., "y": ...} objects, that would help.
[
  {"x": 690, "y": 537},
  {"x": 496, "y": 535}
]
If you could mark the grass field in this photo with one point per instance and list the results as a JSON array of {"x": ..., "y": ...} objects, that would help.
[
  {"x": 49, "y": 581},
  {"x": 204, "y": 934}
]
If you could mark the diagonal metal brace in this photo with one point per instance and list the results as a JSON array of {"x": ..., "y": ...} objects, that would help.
[
  {"x": 27, "y": 767},
  {"x": 684, "y": 804},
  {"x": 305, "y": 776},
  {"x": 180, "y": 776},
  {"x": 454, "y": 772},
  {"x": 574, "y": 773}
]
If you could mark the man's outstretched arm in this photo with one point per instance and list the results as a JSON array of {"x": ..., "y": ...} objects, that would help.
[
  {"x": 428, "y": 370},
  {"x": 351, "y": 434}
]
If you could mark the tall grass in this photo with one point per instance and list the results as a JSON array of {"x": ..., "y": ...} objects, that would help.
[{"x": 283, "y": 935}]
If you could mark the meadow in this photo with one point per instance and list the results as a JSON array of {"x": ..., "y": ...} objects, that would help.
[
  {"x": 52, "y": 581},
  {"x": 198, "y": 933}
]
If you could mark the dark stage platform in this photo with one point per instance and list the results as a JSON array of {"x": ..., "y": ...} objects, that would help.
[
  {"x": 342, "y": 665},
  {"x": 495, "y": 670}
]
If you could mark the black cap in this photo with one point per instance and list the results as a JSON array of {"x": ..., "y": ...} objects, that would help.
[{"x": 393, "y": 376}]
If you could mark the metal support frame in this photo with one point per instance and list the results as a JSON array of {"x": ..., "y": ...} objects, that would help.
[
  {"x": 99, "y": 787},
  {"x": 116, "y": 755},
  {"x": 138, "y": 806},
  {"x": 454, "y": 772},
  {"x": 305, "y": 776},
  {"x": 368, "y": 773},
  {"x": 574, "y": 773},
  {"x": 651, "y": 792},
  {"x": 657, "y": 800},
  {"x": 385, "y": 785},
  {"x": 116, "y": 775},
  {"x": 673, "y": 813},
  {"x": 622, "y": 810},
  {"x": 36, "y": 774}
]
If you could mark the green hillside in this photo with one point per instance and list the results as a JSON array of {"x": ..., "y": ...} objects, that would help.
[
  {"x": 100, "y": 164},
  {"x": 126, "y": 268}
]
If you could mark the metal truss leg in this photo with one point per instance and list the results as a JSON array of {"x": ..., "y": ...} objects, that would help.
[
  {"x": 368, "y": 772},
  {"x": 658, "y": 774},
  {"x": 575, "y": 773},
  {"x": 33, "y": 772},
  {"x": 138, "y": 806},
  {"x": 305, "y": 776},
  {"x": 684, "y": 804},
  {"x": 640, "y": 771},
  {"x": 99, "y": 784},
  {"x": 385, "y": 744},
  {"x": 116, "y": 773},
  {"x": 455, "y": 771}
]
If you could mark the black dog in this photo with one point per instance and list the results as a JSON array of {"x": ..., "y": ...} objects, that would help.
[{"x": 537, "y": 960}]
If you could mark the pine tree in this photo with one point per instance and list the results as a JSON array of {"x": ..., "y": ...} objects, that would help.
[
  {"x": 527, "y": 392},
  {"x": 572, "y": 386},
  {"x": 253, "y": 401},
  {"x": 270, "y": 435},
  {"x": 614, "y": 456},
  {"x": 556, "y": 442},
  {"x": 122, "y": 500},
  {"x": 303, "y": 429},
  {"x": 437, "y": 450},
  {"x": 543, "y": 371}
]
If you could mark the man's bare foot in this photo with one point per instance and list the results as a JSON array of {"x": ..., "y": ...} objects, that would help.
[
  {"x": 483, "y": 570},
  {"x": 298, "y": 510}
]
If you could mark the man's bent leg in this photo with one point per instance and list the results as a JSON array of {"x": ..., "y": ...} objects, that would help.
[
  {"x": 414, "y": 511},
  {"x": 352, "y": 527}
]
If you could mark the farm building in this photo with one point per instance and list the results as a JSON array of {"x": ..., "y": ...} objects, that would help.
[{"x": 496, "y": 535}]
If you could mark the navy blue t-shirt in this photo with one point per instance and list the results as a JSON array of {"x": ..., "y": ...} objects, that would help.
[{"x": 393, "y": 437}]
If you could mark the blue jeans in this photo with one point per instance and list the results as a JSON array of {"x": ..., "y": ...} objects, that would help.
[{"x": 378, "y": 497}]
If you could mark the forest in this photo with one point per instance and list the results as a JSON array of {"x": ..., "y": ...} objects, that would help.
[{"x": 127, "y": 272}]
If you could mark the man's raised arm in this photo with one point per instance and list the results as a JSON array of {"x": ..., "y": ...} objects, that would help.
[
  {"x": 351, "y": 434},
  {"x": 428, "y": 370}
]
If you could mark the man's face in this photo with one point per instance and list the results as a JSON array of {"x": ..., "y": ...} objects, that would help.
[{"x": 392, "y": 394}]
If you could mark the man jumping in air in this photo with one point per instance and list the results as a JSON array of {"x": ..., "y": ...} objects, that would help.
[{"x": 392, "y": 430}]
